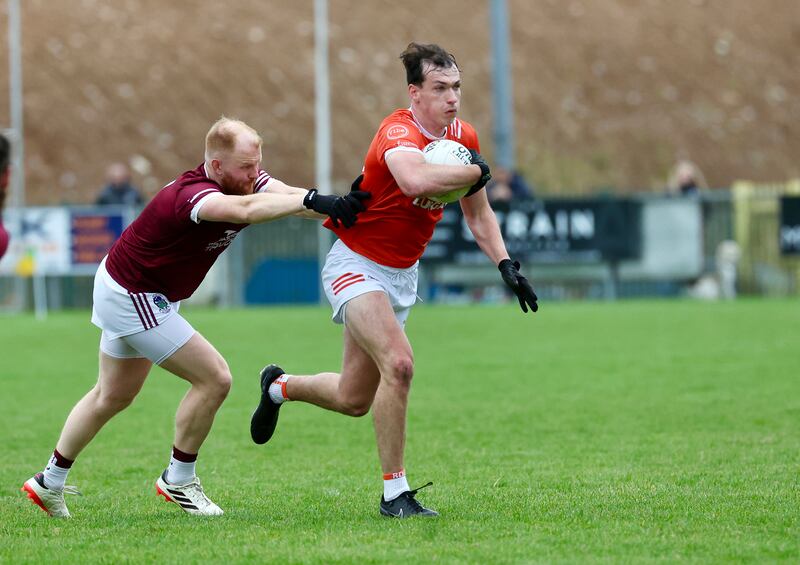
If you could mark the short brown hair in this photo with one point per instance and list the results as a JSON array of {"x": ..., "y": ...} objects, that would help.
[
  {"x": 222, "y": 136},
  {"x": 5, "y": 153},
  {"x": 416, "y": 54}
]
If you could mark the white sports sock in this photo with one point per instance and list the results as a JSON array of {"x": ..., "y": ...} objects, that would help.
[
  {"x": 277, "y": 390},
  {"x": 394, "y": 484},
  {"x": 55, "y": 476},
  {"x": 180, "y": 472}
]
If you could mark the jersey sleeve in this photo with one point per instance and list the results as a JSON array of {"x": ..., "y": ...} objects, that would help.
[
  {"x": 262, "y": 181},
  {"x": 395, "y": 136},
  {"x": 191, "y": 197}
]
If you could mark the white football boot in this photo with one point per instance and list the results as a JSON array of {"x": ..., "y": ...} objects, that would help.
[
  {"x": 190, "y": 496},
  {"x": 49, "y": 500}
]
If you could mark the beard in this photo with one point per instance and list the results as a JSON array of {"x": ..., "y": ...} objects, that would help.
[{"x": 231, "y": 185}]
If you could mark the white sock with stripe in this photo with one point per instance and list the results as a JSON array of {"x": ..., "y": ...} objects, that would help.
[
  {"x": 56, "y": 471},
  {"x": 277, "y": 390},
  {"x": 394, "y": 484},
  {"x": 181, "y": 467}
]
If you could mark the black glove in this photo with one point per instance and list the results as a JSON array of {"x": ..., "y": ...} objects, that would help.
[
  {"x": 356, "y": 186},
  {"x": 339, "y": 208},
  {"x": 486, "y": 174},
  {"x": 519, "y": 284}
]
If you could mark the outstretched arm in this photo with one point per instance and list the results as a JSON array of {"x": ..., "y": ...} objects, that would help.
[
  {"x": 279, "y": 187},
  {"x": 321, "y": 206},
  {"x": 264, "y": 207},
  {"x": 251, "y": 208}
]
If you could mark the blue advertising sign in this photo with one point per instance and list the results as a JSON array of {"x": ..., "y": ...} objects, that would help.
[{"x": 93, "y": 234}]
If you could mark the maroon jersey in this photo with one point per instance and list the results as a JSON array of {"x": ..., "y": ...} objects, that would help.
[
  {"x": 167, "y": 249},
  {"x": 3, "y": 239}
]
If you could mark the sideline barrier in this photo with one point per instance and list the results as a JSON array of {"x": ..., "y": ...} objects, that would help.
[
  {"x": 57, "y": 241},
  {"x": 608, "y": 242},
  {"x": 648, "y": 245},
  {"x": 762, "y": 268}
]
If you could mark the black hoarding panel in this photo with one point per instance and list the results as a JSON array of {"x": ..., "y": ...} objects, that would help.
[
  {"x": 790, "y": 225},
  {"x": 558, "y": 230}
]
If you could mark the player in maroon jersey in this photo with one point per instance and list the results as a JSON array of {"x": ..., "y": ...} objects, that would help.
[{"x": 160, "y": 259}]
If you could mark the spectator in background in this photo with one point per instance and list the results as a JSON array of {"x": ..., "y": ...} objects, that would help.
[
  {"x": 5, "y": 156},
  {"x": 685, "y": 179},
  {"x": 507, "y": 185},
  {"x": 119, "y": 189}
]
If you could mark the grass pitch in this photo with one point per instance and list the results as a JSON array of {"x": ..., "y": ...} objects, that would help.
[{"x": 590, "y": 432}]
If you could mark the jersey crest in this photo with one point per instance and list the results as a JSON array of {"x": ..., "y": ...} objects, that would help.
[{"x": 161, "y": 303}]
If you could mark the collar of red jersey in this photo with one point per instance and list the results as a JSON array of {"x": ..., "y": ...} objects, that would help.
[{"x": 425, "y": 132}]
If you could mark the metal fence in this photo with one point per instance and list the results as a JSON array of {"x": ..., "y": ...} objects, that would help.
[{"x": 762, "y": 269}]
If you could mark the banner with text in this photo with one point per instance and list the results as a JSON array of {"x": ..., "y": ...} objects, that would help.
[
  {"x": 56, "y": 241},
  {"x": 553, "y": 230}
]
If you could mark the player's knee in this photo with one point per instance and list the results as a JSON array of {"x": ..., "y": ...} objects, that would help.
[
  {"x": 401, "y": 371},
  {"x": 216, "y": 384},
  {"x": 221, "y": 383},
  {"x": 356, "y": 408},
  {"x": 111, "y": 402}
]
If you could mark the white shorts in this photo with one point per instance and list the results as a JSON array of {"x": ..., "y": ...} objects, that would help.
[
  {"x": 347, "y": 274},
  {"x": 143, "y": 324},
  {"x": 157, "y": 344}
]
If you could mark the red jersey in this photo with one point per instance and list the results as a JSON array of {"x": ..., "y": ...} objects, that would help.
[
  {"x": 168, "y": 249},
  {"x": 395, "y": 228}
]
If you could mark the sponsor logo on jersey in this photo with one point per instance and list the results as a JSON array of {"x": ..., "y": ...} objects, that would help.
[
  {"x": 224, "y": 241},
  {"x": 161, "y": 303},
  {"x": 396, "y": 132},
  {"x": 427, "y": 203}
]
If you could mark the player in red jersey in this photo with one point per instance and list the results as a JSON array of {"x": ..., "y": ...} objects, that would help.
[
  {"x": 370, "y": 275},
  {"x": 160, "y": 259},
  {"x": 5, "y": 155}
]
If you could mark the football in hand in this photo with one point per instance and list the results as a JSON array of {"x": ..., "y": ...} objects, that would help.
[{"x": 447, "y": 152}]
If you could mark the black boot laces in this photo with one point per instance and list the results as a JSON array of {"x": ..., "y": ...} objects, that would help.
[{"x": 413, "y": 501}]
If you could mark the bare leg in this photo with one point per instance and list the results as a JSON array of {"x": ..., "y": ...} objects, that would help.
[
  {"x": 376, "y": 352},
  {"x": 375, "y": 328},
  {"x": 119, "y": 382},
  {"x": 349, "y": 392},
  {"x": 389, "y": 418},
  {"x": 199, "y": 363}
]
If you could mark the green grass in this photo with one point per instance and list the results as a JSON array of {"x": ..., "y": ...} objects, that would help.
[{"x": 591, "y": 432}]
